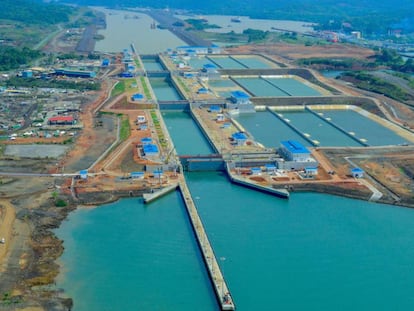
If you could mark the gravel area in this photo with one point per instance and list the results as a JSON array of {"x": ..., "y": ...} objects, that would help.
[{"x": 35, "y": 151}]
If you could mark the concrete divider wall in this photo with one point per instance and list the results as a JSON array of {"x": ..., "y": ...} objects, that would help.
[
  {"x": 337, "y": 127},
  {"x": 293, "y": 128},
  {"x": 301, "y": 72},
  {"x": 363, "y": 102}
]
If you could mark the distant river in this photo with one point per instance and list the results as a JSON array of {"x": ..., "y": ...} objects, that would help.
[
  {"x": 124, "y": 28},
  {"x": 224, "y": 21}
]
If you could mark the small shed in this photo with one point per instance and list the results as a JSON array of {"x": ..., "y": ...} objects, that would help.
[
  {"x": 141, "y": 119},
  {"x": 209, "y": 67},
  {"x": 270, "y": 167},
  {"x": 202, "y": 90},
  {"x": 137, "y": 97},
  {"x": 239, "y": 138},
  {"x": 357, "y": 172},
  {"x": 220, "y": 117},
  {"x": 214, "y": 108},
  {"x": 105, "y": 62},
  {"x": 83, "y": 174},
  {"x": 256, "y": 171},
  {"x": 146, "y": 141},
  {"x": 311, "y": 171}
]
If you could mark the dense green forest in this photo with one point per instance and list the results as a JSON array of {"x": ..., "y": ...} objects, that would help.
[
  {"x": 369, "y": 16},
  {"x": 53, "y": 83},
  {"x": 34, "y": 12},
  {"x": 12, "y": 58}
]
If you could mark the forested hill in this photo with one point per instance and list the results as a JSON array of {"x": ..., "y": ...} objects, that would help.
[
  {"x": 370, "y": 16},
  {"x": 34, "y": 12}
]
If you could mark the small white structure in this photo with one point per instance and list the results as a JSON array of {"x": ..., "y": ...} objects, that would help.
[
  {"x": 311, "y": 171},
  {"x": 357, "y": 172},
  {"x": 83, "y": 174},
  {"x": 220, "y": 117},
  {"x": 141, "y": 119}
]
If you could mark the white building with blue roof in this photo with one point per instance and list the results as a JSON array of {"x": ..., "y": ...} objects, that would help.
[
  {"x": 240, "y": 101},
  {"x": 192, "y": 50},
  {"x": 295, "y": 156}
]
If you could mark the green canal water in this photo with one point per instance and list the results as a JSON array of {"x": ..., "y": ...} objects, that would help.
[
  {"x": 226, "y": 62},
  {"x": 164, "y": 90},
  {"x": 311, "y": 252},
  {"x": 152, "y": 65},
  {"x": 255, "y": 62},
  {"x": 364, "y": 128},
  {"x": 320, "y": 130}
]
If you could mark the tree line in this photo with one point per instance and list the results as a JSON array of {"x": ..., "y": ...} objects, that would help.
[{"x": 34, "y": 12}]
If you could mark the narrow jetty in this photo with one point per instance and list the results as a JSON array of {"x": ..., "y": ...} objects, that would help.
[
  {"x": 222, "y": 292},
  {"x": 149, "y": 197}
]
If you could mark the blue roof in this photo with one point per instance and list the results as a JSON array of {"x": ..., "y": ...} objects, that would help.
[
  {"x": 83, "y": 172},
  {"x": 357, "y": 170},
  {"x": 256, "y": 169},
  {"x": 269, "y": 165},
  {"x": 239, "y": 95},
  {"x": 126, "y": 75},
  {"x": 209, "y": 66},
  {"x": 202, "y": 90},
  {"x": 215, "y": 108},
  {"x": 191, "y": 47},
  {"x": 150, "y": 148},
  {"x": 239, "y": 135},
  {"x": 138, "y": 174},
  {"x": 137, "y": 96},
  {"x": 146, "y": 140},
  {"x": 294, "y": 146}
]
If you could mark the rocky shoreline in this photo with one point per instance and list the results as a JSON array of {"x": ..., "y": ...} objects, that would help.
[{"x": 30, "y": 269}]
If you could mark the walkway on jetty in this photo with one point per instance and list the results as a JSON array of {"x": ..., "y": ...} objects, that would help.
[{"x": 222, "y": 292}]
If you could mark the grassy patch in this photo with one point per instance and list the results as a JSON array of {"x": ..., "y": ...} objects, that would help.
[
  {"x": 125, "y": 129},
  {"x": 145, "y": 88},
  {"x": 118, "y": 89},
  {"x": 158, "y": 129},
  {"x": 183, "y": 85}
]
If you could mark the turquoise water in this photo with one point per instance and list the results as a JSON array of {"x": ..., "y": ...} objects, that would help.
[
  {"x": 181, "y": 123},
  {"x": 254, "y": 62},
  {"x": 222, "y": 83},
  {"x": 260, "y": 87},
  {"x": 164, "y": 90},
  {"x": 152, "y": 65},
  {"x": 374, "y": 133},
  {"x": 326, "y": 134},
  {"x": 293, "y": 87},
  {"x": 198, "y": 63},
  {"x": 131, "y": 256},
  {"x": 226, "y": 62},
  {"x": 268, "y": 129},
  {"x": 311, "y": 252}
]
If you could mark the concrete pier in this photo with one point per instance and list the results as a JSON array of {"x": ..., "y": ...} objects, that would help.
[
  {"x": 149, "y": 197},
  {"x": 221, "y": 290}
]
